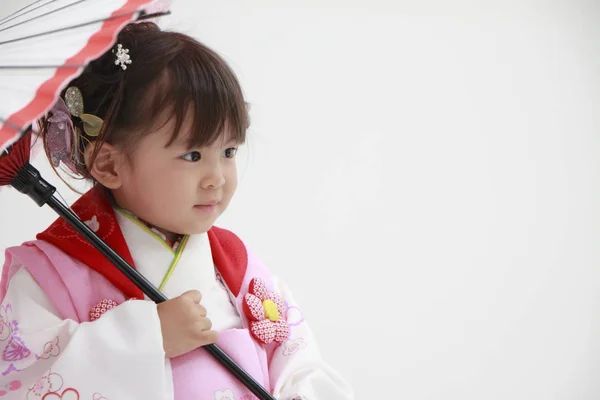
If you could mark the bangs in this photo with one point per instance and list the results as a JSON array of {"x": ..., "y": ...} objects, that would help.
[{"x": 189, "y": 81}]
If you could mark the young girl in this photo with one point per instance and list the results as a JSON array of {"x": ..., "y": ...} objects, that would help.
[{"x": 155, "y": 124}]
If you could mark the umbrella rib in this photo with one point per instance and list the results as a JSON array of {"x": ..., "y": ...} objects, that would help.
[
  {"x": 40, "y": 16},
  {"x": 2, "y": 21},
  {"x": 41, "y": 66},
  {"x": 16, "y": 15},
  {"x": 144, "y": 16},
  {"x": 67, "y": 28}
]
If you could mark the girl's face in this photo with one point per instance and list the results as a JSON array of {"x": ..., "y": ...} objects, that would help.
[{"x": 177, "y": 189}]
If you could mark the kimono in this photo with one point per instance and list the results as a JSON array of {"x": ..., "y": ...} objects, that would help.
[{"x": 72, "y": 326}]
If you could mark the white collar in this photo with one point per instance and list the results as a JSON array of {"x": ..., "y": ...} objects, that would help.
[{"x": 152, "y": 256}]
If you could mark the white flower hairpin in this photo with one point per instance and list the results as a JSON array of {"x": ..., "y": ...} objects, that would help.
[{"x": 123, "y": 58}]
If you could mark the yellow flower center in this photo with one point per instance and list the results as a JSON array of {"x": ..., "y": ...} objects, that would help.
[{"x": 271, "y": 311}]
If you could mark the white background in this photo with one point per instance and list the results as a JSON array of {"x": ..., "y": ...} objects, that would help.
[{"x": 425, "y": 177}]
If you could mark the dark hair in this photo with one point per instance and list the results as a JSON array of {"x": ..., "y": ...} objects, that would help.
[{"x": 171, "y": 74}]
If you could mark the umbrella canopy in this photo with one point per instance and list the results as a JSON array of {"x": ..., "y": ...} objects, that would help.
[{"x": 47, "y": 43}]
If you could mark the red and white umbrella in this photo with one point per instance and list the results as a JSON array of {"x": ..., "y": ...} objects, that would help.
[{"x": 47, "y": 43}]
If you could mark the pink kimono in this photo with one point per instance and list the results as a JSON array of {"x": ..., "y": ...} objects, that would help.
[{"x": 102, "y": 326}]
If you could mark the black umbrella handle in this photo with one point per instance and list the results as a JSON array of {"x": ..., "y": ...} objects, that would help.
[{"x": 30, "y": 182}]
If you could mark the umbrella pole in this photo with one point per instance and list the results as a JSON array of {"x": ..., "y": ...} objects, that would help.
[
  {"x": 132, "y": 274},
  {"x": 30, "y": 182}
]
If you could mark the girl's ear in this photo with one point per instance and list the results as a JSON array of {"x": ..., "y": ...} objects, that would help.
[{"x": 105, "y": 167}]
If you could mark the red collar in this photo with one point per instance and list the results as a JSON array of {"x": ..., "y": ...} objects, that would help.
[{"x": 228, "y": 251}]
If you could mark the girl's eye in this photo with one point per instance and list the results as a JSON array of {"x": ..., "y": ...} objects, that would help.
[
  {"x": 192, "y": 156},
  {"x": 230, "y": 152}
]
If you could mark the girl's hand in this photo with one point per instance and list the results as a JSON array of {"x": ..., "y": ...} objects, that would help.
[{"x": 184, "y": 324}]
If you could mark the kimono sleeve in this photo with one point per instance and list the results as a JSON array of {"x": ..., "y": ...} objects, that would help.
[
  {"x": 296, "y": 369},
  {"x": 120, "y": 355}
]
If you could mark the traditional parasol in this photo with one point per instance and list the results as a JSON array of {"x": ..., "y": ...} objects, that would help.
[{"x": 43, "y": 46}]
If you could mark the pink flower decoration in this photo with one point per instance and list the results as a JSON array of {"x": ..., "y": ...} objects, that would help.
[{"x": 266, "y": 312}]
